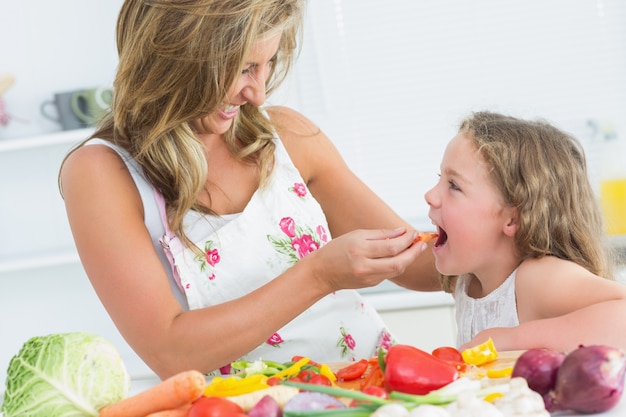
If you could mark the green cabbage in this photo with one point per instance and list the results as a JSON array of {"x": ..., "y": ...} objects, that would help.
[{"x": 69, "y": 374}]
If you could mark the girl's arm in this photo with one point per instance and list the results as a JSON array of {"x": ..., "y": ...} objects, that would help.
[
  {"x": 561, "y": 306},
  {"x": 348, "y": 203},
  {"x": 602, "y": 323}
]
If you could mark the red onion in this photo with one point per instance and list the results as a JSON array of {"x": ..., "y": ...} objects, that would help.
[
  {"x": 590, "y": 379},
  {"x": 539, "y": 368}
]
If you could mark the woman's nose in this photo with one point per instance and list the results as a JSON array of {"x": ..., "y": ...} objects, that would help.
[{"x": 254, "y": 91}]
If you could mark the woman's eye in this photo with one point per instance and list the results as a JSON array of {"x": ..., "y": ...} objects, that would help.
[{"x": 248, "y": 70}]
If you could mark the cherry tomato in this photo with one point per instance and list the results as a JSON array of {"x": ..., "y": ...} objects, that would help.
[
  {"x": 306, "y": 375},
  {"x": 320, "y": 379},
  {"x": 353, "y": 371},
  {"x": 214, "y": 407},
  {"x": 373, "y": 390},
  {"x": 271, "y": 381},
  {"x": 376, "y": 391},
  {"x": 448, "y": 353}
]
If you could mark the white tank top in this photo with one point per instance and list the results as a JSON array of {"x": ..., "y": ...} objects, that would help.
[{"x": 496, "y": 309}]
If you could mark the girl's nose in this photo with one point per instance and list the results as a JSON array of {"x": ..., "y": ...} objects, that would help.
[{"x": 430, "y": 197}]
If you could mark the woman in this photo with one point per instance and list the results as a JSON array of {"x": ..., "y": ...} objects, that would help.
[{"x": 250, "y": 199}]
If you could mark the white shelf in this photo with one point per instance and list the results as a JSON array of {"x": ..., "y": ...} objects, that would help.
[
  {"x": 49, "y": 139},
  {"x": 43, "y": 261}
]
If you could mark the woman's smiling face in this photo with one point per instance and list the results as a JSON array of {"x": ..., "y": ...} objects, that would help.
[
  {"x": 468, "y": 211},
  {"x": 249, "y": 88}
]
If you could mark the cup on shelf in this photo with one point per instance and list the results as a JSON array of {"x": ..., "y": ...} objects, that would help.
[
  {"x": 91, "y": 104},
  {"x": 60, "y": 110},
  {"x": 78, "y": 109}
]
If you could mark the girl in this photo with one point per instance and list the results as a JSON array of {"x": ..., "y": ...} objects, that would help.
[{"x": 520, "y": 239}]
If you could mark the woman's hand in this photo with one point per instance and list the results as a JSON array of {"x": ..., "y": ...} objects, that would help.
[{"x": 364, "y": 258}]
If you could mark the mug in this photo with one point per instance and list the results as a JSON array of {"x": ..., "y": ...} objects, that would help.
[
  {"x": 62, "y": 113},
  {"x": 90, "y": 105}
]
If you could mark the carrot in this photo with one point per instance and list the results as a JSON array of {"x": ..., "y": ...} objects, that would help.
[
  {"x": 174, "y": 392},
  {"x": 174, "y": 412},
  {"x": 425, "y": 236}
]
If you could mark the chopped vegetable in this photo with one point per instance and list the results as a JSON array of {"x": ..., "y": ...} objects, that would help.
[
  {"x": 375, "y": 378},
  {"x": 280, "y": 393},
  {"x": 539, "y": 368},
  {"x": 428, "y": 410},
  {"x": 480, "y": 354},
  {"x": 469, "y": 405},
  {"x": 308, "y": 400},
  {"x": 425, "y": 237},
  {"x": 521, "y": 401},
  {"x": 176, "y": 391},
  {"x": 214, "y": 407},
  {"x": 263, "y": 367},
  {"x": 590, "y": 379},
  {"x": 391, "y": 410},
  {"x": 353, "y": 371},
  {"x": 266, "y": 407},
  {"x": 235, "y": 385},
  {"x": 500, "y": 372},
  {"x": 448, "y": 353},
  {"x": 64, "y": 374},
  {"x": 293, "y": 370},
  {"x": 411, "y": 370}
]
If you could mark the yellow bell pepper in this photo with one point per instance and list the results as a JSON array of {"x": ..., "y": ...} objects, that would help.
[
  {"x": 228, "y": 387},
  {"x": 500, "y": 372},
  {"x": 293, "y": 370},
  {"x": 327, "y": 372},
  {"x": 480, "y": 354}
]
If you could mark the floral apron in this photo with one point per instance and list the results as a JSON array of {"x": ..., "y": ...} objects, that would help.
[{"x": 281, "y": 224}]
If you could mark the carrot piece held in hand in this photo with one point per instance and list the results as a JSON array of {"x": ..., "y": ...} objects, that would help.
[
  {"x": 174, "y": 392},
  {"x": 425, "y": 237}
]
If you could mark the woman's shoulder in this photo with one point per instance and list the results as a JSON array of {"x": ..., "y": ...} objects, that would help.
[
  {"x": 292, "y": 125},
  {"x": 308, "y": 147},
  {"x": 90, "y": 158}
]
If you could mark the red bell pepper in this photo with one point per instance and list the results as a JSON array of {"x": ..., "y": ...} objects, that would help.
[{"x": 413, "y": 371}]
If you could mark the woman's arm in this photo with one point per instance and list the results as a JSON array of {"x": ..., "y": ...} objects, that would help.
[
  {"x": 347, "y": 202},
  {"x": 106, "y": 217}
]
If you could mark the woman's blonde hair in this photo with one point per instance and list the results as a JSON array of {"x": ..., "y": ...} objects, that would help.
[
  {"x": 541, "y": 171},
  {"x": 177, "y": 59}
]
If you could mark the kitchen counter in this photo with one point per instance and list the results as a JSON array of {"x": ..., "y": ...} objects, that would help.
[{"x": 389, "y": 296}]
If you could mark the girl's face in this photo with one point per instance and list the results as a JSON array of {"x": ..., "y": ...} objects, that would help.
[
  {"x": 473, "y": 223},
  {"x": 249, "y": 88}
]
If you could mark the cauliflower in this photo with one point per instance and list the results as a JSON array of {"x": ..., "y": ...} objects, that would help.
[{"x": 521, "y": 401}]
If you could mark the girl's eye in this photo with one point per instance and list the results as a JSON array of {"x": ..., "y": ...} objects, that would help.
[{"x": 453, "y": 186}]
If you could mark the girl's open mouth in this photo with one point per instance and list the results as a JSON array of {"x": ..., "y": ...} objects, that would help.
[{"x": 442, "y": 238}]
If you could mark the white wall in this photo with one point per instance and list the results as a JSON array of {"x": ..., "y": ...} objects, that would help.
[{"x": 53, "y": 46}]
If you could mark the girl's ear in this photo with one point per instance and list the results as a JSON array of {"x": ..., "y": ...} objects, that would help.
[{"x": 512, "y": 223}]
